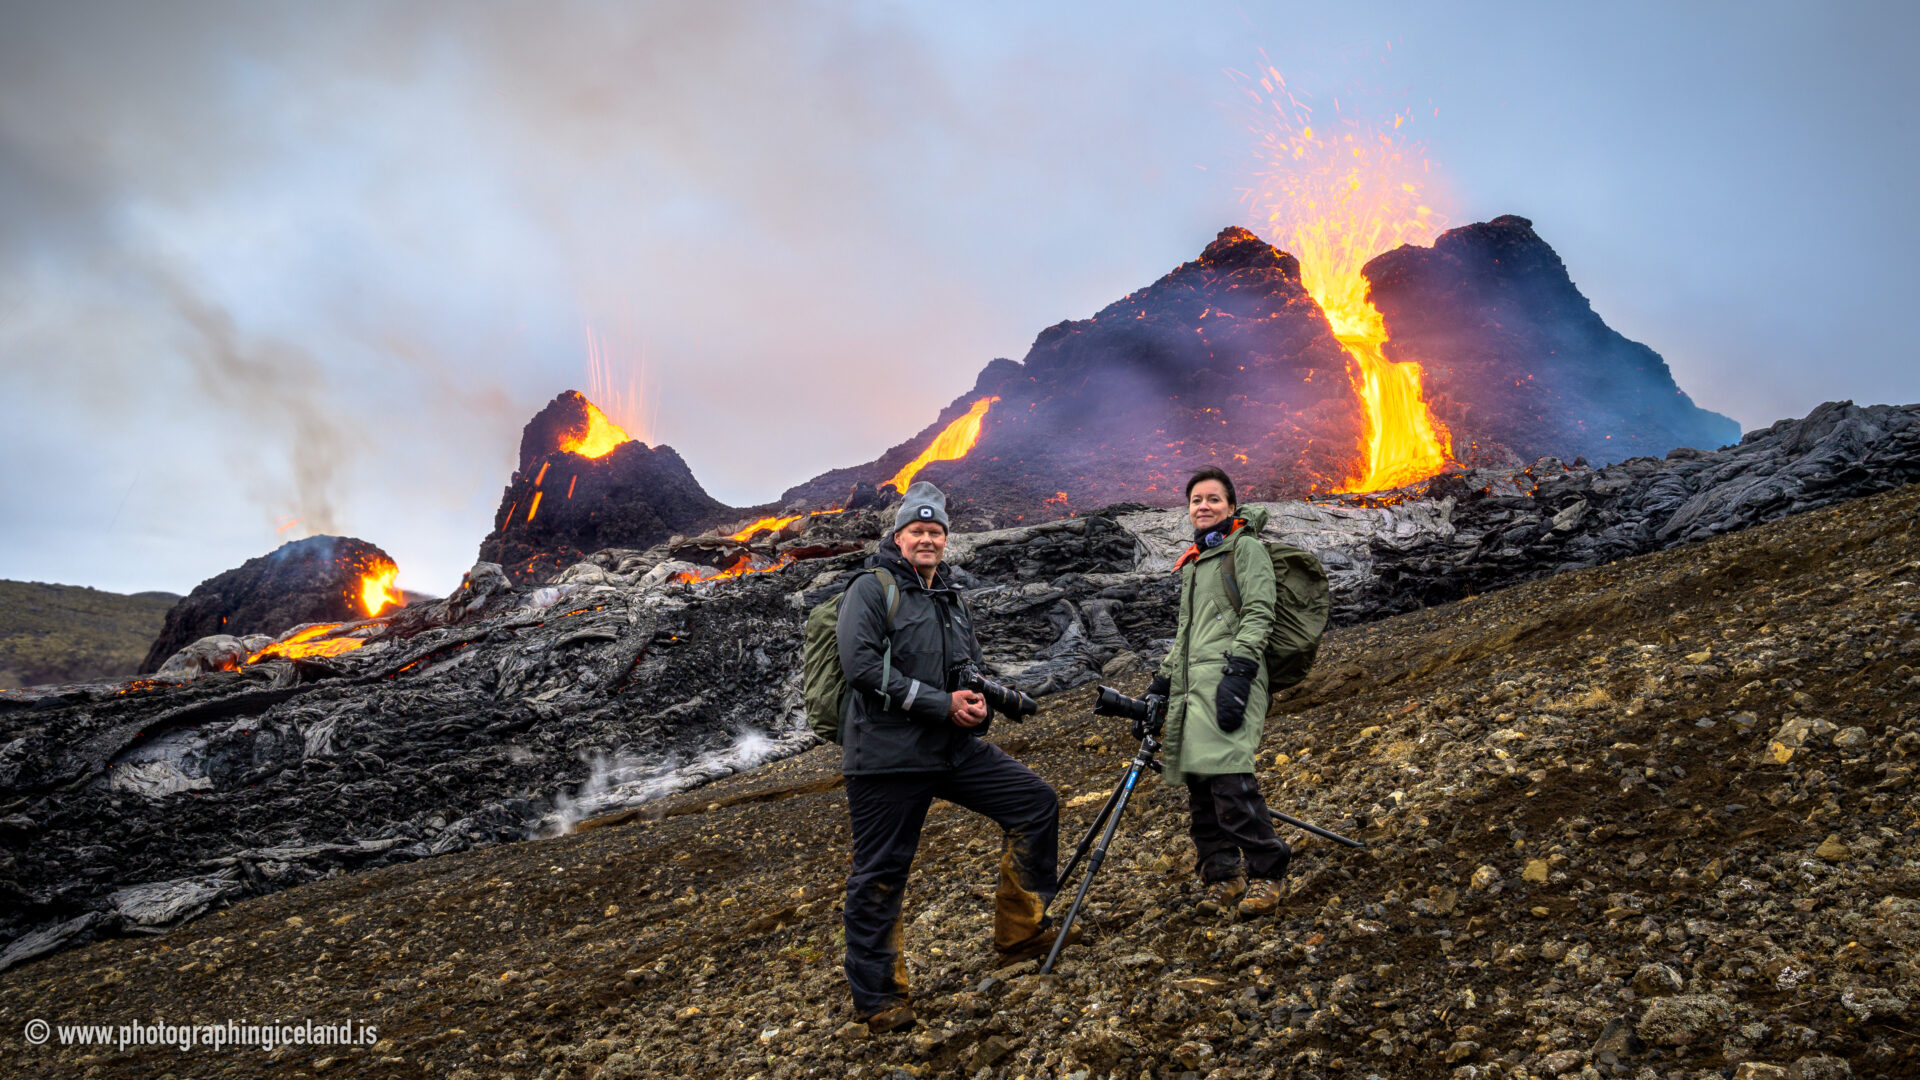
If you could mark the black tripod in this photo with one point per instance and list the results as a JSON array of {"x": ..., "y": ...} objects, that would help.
[
  {"x": 1151, "y": 714},
  {"x": 1109, "y": 817}
]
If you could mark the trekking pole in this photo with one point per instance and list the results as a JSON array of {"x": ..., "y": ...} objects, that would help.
[
  {"x": 1110, "y": 815},
  {"x": 1314, "y": 829}
]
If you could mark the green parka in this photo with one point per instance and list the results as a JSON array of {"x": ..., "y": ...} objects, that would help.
[{"x": 1210, "y": 633}]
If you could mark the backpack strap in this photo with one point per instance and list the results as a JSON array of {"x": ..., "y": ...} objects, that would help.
[
  {"x": 893, "y": 608},
  {"x": 1229, "y": 578}
]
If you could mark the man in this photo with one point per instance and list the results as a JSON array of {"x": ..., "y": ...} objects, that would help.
[{"x": 909, "y": 736}]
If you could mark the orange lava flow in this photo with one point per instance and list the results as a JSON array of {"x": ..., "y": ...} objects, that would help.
[
  {"x": 601, "y": 436},
  {"x": 741, "y": 567},
  {"x": 535, "y": 508},
  {"x": 774, "y": 523},
  {"x": 377, "y": 592},
  {"x": 950, "y": 445},
  {"x": 304, "y": 644},
  {"x": 1334, "y": 198}
]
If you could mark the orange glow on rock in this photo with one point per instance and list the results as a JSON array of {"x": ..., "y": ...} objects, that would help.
[
  {"x": 600, "y": 437},
  {"x": 376, "y": 590},
  {"x": 570, "y": 483},
  {"x": 304, "y": 643},
  {"x": 543, "y": 470},
  {"x": 535, "y": 508},
  {"x": 773, "y": 523},
  {"x": 1335, "y": 198},
  {"x": 740, "y": 567},
  {"x": 950, "y": 445}
]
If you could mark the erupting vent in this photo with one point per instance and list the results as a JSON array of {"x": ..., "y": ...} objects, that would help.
[
  {"x": 1335, "y": 198},
  {"x": 599, "y": 436}
]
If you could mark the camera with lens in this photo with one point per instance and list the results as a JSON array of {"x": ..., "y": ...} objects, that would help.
[
  {"x": 1148, "y": 714},
  {"x": 1004, "y": 700}
]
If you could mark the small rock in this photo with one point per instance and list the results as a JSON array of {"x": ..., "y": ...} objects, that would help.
[
  {"x": 1657, "y": 980},
  {"x": 1683, "y": 1019},
  {"x": 1536, "y": 871},
  {"x": 1833, "y": 849},
  {"x": 1562, "y": 1061},
  {"x": 1617, "y": 1044},
  {"x": 990, "y": 1050},
  {"x": 1820, "y": 1067},
  {"x": 1193, "y": 1055},
  {"x": 851, "y": 1032},
  {"x": 1848, "y": 738},
  {"x": 1484, "y": 877},
  {"x": 1199, "y": 984},
  {"x": 1759, "y": 1070}
]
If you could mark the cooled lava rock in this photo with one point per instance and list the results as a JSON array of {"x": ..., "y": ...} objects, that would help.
[
  {"x": 612, "y": 492},
  {"x": 312, "y": 580},
  {"x": 1513, "y": 354},
  {"x": 505, "y": 710}
]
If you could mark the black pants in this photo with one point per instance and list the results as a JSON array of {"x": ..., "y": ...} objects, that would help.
[
  {"x": 1229, "y": 819},
  {"x": 888, "y": 810}
]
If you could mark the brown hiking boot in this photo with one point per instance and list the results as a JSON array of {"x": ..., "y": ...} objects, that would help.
[
  {"x": 1222, "y": 895},
  {"x": 1263, "y": 898},
  {"x": 897, "y": 1018},
  {"x": 1038, "y": 945}
]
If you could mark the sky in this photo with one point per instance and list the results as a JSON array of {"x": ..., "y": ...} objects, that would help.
[{"x": 271, "y": 269}]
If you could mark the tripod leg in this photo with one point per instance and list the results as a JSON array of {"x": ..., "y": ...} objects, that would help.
[
  {"x": 1314, "y": 829},
  {"x": 1092, "y": 830},
  {"x": 1121, "y": 795}
]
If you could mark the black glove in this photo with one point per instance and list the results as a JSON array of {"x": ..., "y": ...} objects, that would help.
[
  {"x": 1156, "y": 701},
  {"x": 1230, "y": 700}
]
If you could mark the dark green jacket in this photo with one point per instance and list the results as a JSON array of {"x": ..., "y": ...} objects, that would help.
[
  {"x": 903, "y": 726},
  {"x": 1210, "y": 632}
]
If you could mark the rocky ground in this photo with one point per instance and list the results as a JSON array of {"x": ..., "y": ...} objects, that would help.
[{"x": 1651, "y": 819}]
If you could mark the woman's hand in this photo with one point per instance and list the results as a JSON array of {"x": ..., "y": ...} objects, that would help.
[{"x": 1236, "y": 686}]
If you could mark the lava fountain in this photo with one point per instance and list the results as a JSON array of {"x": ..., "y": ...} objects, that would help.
[{"x": 1335, "y": 197}]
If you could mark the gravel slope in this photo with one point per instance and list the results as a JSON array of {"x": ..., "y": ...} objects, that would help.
[{"x": 1652, "y": 819}]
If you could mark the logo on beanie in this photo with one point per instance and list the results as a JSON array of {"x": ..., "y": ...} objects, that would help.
[{"x": 926, "y": 513}]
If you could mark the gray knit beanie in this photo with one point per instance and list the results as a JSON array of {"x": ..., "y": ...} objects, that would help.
[{"x": 924, "y": 502}]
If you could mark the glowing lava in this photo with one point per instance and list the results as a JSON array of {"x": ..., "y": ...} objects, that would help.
[
  {"x": 741, "y": 567},
  {"x": 376, "y": 590},
  {"x": 950, "y": 445},
  {"x": 774, "y": 523},
  {"x": 308, "y": 642},
  {"x": 600, "y": 437},
  {"x": 1334, "y": 198}
]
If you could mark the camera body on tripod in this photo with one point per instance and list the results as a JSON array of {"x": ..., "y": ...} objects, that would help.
[{"x": 1149, "y": 714}]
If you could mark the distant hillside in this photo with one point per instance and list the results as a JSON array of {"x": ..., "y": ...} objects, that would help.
[{"x": 67, "y": 633}]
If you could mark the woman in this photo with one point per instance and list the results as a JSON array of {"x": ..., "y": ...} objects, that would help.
[{"x": 1215, "y": 683}]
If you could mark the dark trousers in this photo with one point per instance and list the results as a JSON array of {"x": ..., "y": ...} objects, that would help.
[
  {"x": 1230, "y": 819},
  {"x": 888, "y": 810}
]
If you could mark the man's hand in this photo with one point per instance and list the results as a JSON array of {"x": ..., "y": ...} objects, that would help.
[{"x": 969, "y": 709}]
